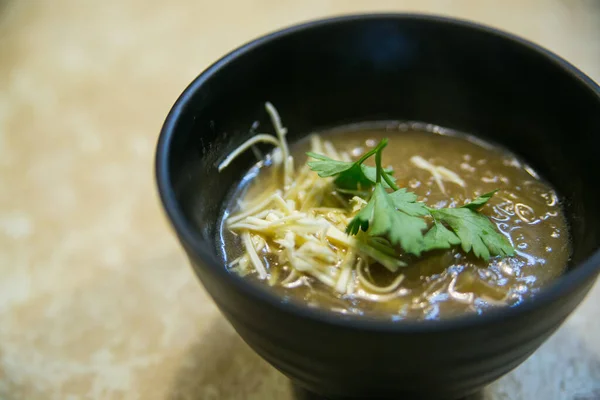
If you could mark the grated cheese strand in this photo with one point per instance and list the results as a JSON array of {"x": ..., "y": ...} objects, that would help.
[
  {"x": 259, "y": 207},
  {"x": 343, "y": 281},
  {"x": 439, "y": 173},
  {"x": 258, "y": 265},
  {"x": 280, "y": 131},
  {"x": 260, "y": 138},
  {"x": 392, "y": 287}
]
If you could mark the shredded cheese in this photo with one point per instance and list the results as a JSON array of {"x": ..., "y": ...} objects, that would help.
[
  {"x": 439, "y": 173},
  {"x": 258, "y": 265},
  {"x": 280, "y": 131},
  {"x": 295, "y": 226},
  {"x": 260, "y": 138},
  {"x": 377, "y": 289}
]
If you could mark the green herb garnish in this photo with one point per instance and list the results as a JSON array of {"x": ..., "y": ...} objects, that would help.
[
  {"x": 474, "y": 230},
  {"x": 399, "y": 227},
  {"x": 439, "y": 237},
  {"x": 349, "y": 175},
  {"x": 403, "y": 220}
]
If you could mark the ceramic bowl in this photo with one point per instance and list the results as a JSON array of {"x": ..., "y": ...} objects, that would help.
[{"x": 332, "y": 72}]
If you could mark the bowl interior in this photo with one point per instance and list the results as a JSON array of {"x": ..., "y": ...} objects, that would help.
[{"x": 451, "y": 74}]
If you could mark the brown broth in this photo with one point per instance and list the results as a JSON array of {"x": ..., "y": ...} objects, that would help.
[{"x": 446, "y": 282}]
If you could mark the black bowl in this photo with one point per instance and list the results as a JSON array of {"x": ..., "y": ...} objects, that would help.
[{"x": 386, "y": 67}]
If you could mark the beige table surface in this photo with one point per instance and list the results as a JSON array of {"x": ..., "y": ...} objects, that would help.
[{"x": 96, "y": 298}]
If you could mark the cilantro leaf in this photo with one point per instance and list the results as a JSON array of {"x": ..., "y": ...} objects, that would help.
[
  {"x": 480, "y": 201},
  {"x": 349, "y": 175},
  {"x": 381, "y": 218},
  {"x": 401, "y": 228},
  {"x": 355, "y": 177},
  {"x": 475, "y": 231},
  {"x": 326, "y": 166},
  {"x": 406, "y": 202},
  {"x": 439, "y": 237}
]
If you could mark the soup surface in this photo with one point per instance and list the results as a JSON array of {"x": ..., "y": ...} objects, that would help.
[{"x": 438, "y": 283}]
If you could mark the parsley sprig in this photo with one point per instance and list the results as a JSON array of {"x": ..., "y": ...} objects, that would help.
[
  {"x": 349, "y": 175},
  {"x": 403, "y": 220}
]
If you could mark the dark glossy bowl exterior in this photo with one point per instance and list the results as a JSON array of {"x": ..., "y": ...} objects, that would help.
[{"x": 386, "y": 67}]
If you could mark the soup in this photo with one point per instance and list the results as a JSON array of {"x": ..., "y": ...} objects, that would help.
[{"x": 433, "y": 224}]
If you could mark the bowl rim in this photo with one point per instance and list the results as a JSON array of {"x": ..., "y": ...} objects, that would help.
[{"x": 562, "y": 286}]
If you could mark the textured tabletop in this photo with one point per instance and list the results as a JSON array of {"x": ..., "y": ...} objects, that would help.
[{"x": 96, "y": 298}]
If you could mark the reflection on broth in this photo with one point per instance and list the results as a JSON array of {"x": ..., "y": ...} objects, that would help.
[{"x": 445, "y": 170}]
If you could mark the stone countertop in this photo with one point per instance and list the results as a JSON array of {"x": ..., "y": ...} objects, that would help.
[{"x": 96, "y": 298}]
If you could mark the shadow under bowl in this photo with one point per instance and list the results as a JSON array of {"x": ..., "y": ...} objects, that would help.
[{"x": 322, "y": 74}]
